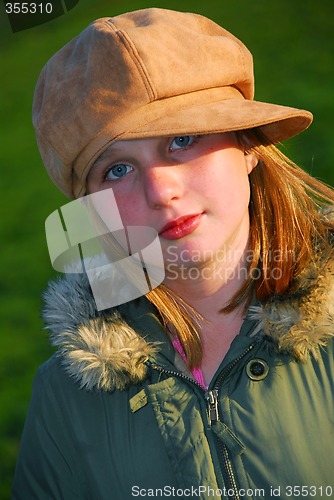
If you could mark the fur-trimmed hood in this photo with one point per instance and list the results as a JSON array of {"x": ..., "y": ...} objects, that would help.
[{"x": 101, "y": 349}]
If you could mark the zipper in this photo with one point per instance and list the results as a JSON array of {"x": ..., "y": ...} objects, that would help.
[
  {"x": 211, "y": 397},
  {"x": 213, "y": 415},
  {"x": 212, "y": 400},
  {"x": 178, "y": 374},
  {"x": 225, "y": 462}
]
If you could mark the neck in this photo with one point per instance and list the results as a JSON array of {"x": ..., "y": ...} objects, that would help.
[
  {"x": 217, "y": 281},
  {"x": 209, "y": 286}
]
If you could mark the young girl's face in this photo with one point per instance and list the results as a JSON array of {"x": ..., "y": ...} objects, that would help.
[{"x": 193, "y": 190}]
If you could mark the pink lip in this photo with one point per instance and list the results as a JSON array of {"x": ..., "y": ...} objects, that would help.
[{"x": 180, "y": 227}]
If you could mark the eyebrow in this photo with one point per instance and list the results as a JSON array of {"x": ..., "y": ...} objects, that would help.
[{"x": 110, "y": 149}]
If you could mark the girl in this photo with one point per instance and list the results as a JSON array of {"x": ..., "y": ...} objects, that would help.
[{"x": 218, "y": 382}]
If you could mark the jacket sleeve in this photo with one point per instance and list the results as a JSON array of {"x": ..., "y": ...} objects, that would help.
[{"x": 46, "y": 467}]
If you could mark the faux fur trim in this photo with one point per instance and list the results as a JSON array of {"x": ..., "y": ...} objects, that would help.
[
  {"x": 301, "y": 323},
  {"x": 101, "y": 351},
  {"x": 98, "y": 349}
]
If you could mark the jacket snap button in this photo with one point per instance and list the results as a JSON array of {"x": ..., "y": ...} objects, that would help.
[{"x": 257, "y": 369}]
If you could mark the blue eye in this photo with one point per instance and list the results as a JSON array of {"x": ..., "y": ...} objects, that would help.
[
  {"x": 117, "y": 171},
  {"x": 182, "y": 141}
]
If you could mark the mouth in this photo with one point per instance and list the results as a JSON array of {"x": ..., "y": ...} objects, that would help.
[{"x": 180, "y": 227}]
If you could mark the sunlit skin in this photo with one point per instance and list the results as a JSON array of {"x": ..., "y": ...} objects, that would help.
[{"x": 194, "y": 190}]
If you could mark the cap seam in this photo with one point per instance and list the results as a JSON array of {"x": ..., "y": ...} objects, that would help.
[
  {"x": 47, "y": 141},
  {"x": 239, "y": 45},
  {"x": 139, "y": 63},
  {"x": 65, "y": 161},
  {"x": 243, "y": 66},
  {"x": 36, "y": 123}
]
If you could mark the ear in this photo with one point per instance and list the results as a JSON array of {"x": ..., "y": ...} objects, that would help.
[{"x": 251, "y": 161}]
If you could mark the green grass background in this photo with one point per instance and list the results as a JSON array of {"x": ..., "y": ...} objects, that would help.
[{"x": 293, "y": 45}]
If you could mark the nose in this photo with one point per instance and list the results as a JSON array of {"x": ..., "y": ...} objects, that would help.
[{"x": 163, "y": 185}]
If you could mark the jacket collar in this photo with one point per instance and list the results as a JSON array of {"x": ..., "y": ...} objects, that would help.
[
  {"x": 109, "y": 349},
  {"x": 300, "y": 323}
]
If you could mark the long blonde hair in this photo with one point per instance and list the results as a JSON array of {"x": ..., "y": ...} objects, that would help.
[{"x": 285, "y": 226}]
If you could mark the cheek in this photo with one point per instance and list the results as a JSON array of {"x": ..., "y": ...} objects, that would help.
[
  {"x": 130, "y": 209},
  {"x": 231, "y": 187}
]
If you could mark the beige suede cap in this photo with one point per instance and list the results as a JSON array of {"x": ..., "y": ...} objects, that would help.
[{"x": 148, "y": 73}]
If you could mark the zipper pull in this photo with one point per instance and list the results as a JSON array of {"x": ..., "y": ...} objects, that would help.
[{"x": 212, "y": 400}]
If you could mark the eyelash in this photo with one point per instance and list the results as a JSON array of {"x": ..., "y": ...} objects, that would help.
[
  {"x": 194, "y": 138},
  {"x": 109, "y": 169}
]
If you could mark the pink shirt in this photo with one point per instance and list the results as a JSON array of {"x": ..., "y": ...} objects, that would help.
[{"x": 197, "y": 371}]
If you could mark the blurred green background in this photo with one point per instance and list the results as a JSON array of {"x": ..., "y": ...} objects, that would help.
[{"x": 293, "y": 46}]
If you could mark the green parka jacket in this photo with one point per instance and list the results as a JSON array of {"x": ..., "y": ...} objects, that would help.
[{"x": 115, "y": 415}]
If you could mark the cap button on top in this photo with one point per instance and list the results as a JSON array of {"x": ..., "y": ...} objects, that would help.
[{"x": 257, "y": 369}]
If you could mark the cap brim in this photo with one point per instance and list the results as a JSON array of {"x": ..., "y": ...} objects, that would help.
[
  {"x": 277, "y": 122},
  {"x": 163, "y": 118}
]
